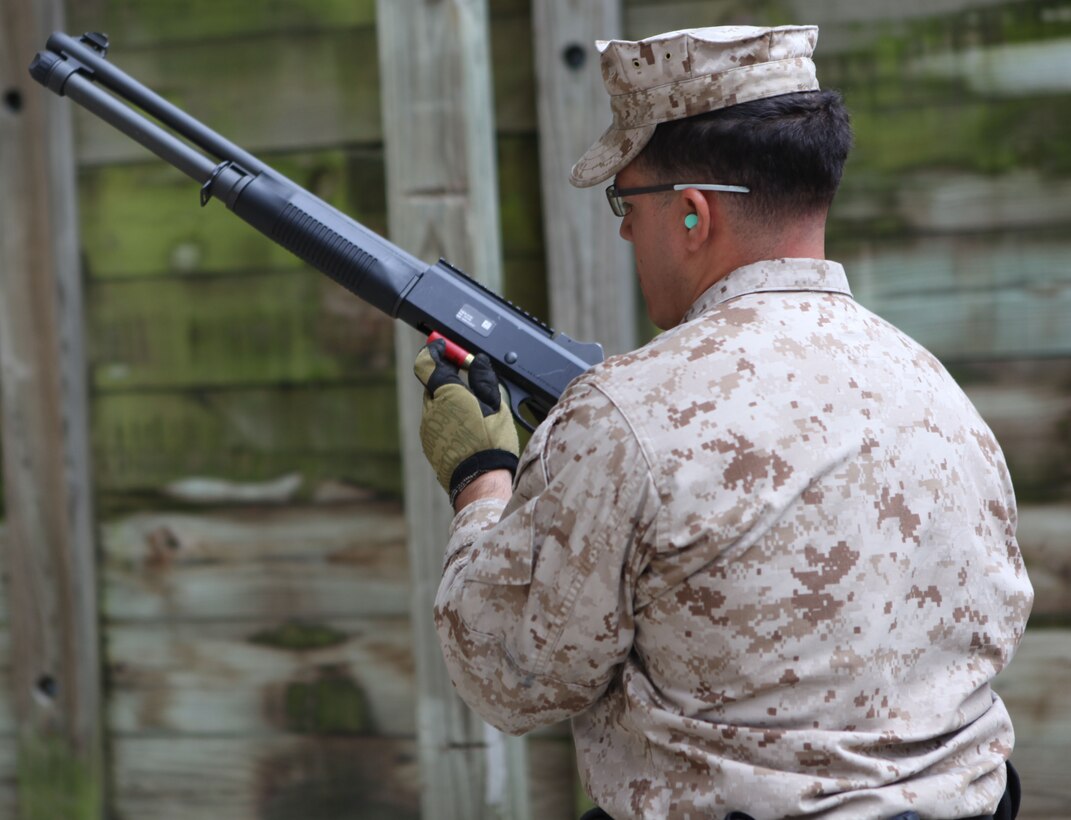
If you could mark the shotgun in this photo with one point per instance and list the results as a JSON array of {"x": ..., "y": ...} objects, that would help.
[{"x": 533, "y": 361}]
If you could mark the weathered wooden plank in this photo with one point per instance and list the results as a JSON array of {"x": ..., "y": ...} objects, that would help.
[
  {"x": 151, "y": 23},
  {"x": 257, "y": 329},
  {"x": 49, "y": 562},
  {"x": 1034, "y": 689},
  {"x": 917, "y": 97},
  {"x": 647, "y": 17},
  {"x": 1045, "y": 538},
  {"x": 1025, "y": 197},
  {"x": 1028, "y": 409},
  {"x": 143, "y": 219},
  {"x": 141, "y": 442},
  {"x": 979, "y": 325},
  {"x": 1042, "y": 769},
  {"x": 967, "y": 295},
  {"x": 1015, "y": 69},
  {"x": 513, "y": 77},
  {"x": 644, "y": 18},
  {"x": 438, "y": 132},
  {"x": 934, "y": 201},
  {"x": 256, "y": 563},
  {"x": 258, "y": 533},
  {"x": 324, "y": 87},
  {"x": 288, "y": 324},
  {"x": 266, "y": 778},
  {"x": 520, "y": 207},
  {"x": 348, "y": 676},
  {"x": 524, "y": 280},
  {"x": 525, "y": 284},
  {"x": 903, "y": 125},
  {"x": 3, "y": 586},
  {"x": 8, "y": 725},
  {"x": 553, "y": 776},
  {"x": 7, "y": 713},
  {"x": 148, "y": 22},
  {"x": 323, "y": 90},
  {"x": 8, "y": 778},
  {"x": 587, "y": 261},
  {"x": 994, "y": 261}
]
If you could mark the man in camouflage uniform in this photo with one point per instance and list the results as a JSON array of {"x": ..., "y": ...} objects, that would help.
[{"x": 767, "y": 562}]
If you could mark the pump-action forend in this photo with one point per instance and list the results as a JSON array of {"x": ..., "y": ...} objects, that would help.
[{"x": 533, "y": 361}]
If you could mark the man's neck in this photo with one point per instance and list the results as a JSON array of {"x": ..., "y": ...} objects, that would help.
[{"x": 804, "y": 239}]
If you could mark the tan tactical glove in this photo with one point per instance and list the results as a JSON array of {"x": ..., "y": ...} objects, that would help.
[{"x": 465, "y": 430}]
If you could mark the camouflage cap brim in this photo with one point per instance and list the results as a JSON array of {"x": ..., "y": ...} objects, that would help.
[{"x": 615, "y": 149}]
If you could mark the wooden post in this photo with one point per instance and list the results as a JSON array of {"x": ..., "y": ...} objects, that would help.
[
  {"x": 592, "y": 295},
  {"x": 442, "y": 201},
  {"x": 49, "y": 559}
]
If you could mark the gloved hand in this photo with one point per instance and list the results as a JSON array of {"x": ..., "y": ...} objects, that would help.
[{"x": 465, "y": 430}]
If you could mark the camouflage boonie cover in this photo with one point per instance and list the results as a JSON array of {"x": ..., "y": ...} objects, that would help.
[
  {"x": 766, "y": 563},
  {"x": 684, "y": 73}
]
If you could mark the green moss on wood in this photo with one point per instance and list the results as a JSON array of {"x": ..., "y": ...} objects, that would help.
[
  {"x": 277, "y": 327},
  {"x": 54, "y": 782},
  {"x": 333, "y": 704},
  {"x": 299, "y": 635},
  {"x": 513, "y": 75},
  {"x": 987, "y": 137},
  {"x": 520, "y": 199},
  {"x": 521, "y": 215},
  {"x": 526, "y": 284},
  {"x": 148, "y": 21},
  {"x": 329, "y": 779},
  {"x": 1015, "y": 22},
  {"x": 144, "y": 220},
  {"x": 1055, "y": 620},
  {"x": 141, "y": 441}
]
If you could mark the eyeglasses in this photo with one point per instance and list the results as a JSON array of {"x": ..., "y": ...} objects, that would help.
[{"x": 616, "y": 196}]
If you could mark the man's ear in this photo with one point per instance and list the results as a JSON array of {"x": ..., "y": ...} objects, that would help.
[{"x": 701, "y": 213}]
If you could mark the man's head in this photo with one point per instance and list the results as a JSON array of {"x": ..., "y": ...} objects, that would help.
[
  {"x": 736, "y": 106},
  {"x": 683, "y": 74}
]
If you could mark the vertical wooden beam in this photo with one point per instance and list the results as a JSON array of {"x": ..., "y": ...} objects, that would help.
[
  {"x": 442, "y": 201},
  {"x": 592, "y": 295},
  {"x": 49, "y": 560}
]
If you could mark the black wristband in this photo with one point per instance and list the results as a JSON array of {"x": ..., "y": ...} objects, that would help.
[{"x": 476, "y": 465}]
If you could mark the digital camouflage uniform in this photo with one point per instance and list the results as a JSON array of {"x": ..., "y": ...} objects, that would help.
[{"x": 767, "y": 563}]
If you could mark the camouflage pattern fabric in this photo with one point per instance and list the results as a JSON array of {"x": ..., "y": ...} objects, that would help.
[{"x": 766, "y": 563}]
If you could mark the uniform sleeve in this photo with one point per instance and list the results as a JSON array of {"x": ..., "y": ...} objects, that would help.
[{"x": 534, "y": 611}]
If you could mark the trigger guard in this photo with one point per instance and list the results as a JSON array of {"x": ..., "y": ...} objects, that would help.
[
  {"x": 517, "y": 397},
  {"x": 515, "y": 406}
]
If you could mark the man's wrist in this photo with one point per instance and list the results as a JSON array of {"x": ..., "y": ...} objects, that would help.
[
  {"x": 492, "y": 484},
  {"x": 477, "y": 464}
]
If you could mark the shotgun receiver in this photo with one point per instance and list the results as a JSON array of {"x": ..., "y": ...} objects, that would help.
[{"x": 533, "y": 362}]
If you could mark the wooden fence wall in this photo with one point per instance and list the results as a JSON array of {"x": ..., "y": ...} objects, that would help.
[{"x": 254, "y": 587}]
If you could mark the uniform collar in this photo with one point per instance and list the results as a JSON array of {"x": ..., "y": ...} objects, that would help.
[{"x": 773, "y": 275}]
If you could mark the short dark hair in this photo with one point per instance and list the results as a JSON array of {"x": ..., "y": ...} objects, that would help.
[{"x": 789, "y": 150}]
